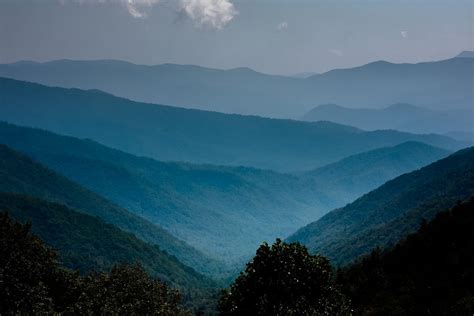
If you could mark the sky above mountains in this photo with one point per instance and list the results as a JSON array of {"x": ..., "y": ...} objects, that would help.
[{"x": 277, "y": 36}]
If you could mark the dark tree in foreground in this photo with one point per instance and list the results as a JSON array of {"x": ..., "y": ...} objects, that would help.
[
  {"x": 32, "y": 282},
  {"x": 284, "y": 279},
  {"x": 127, "y": 290},
  {"x": 431, "y": 272}
]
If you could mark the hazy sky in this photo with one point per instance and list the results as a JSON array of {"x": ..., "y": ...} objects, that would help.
[{"x": 273, "y": 36}]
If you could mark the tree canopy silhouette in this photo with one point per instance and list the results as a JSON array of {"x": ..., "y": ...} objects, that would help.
[{"x": 284, "y": 279}]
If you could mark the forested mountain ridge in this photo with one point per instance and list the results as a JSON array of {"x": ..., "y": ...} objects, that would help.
[
  {"x": 401, "y": 117},
  {"x": 245, "y": 91},
  {"x": 35, "y": 282},
  {"x": 224, "y": 211},
  {"x": 351, "y": 177},
  {"x": 21, "y": 175},
  {"x": 387, "y": 214},
  {"x": 176, "y": 134},
  {"x": 430, "y": 271},
  {"x": 87, "y": 243}
]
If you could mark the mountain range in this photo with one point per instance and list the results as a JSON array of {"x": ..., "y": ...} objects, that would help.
[
  {"x": 223, "y": 211},
  {"x": 392, "y": 211},
  {"x": 176, "y": 134},
  {"x": 402, "y": 117},
  {"x": 86, "y": 243},
  {"x": 446, "y": 84},
  {"x": 21, "y": 175}
]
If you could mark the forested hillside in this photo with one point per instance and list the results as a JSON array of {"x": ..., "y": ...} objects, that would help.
[
  {"x": 34, "y": 282},
  {"x": 216, "y": 208},
  {"x": 88, "y": 244},
  {"x": 351, "y": 177},
  {"x": 19, "y": 174},
  {"x": 429, "y": 272},
  {"x": 387, "y": 214},
  {"x": 176, "y": 134}
]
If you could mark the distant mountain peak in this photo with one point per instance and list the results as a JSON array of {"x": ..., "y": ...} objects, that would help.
[
  {"x": 466, "y": 54},
  {"x": 243, "y": 70},
  {"x": 403, "y": 106}
]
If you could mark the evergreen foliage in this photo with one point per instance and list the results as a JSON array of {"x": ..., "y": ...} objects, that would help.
[
  {"x": 32, "y": 282},
  {"x": 385, "y": 215},
  {"x": 20, "y": 174},
  {"x": 431, "y": 272},
  {"x": 284, "y": 279},
  {"x": 198, "y": 203},
  {"x": 87, "y": 244}
]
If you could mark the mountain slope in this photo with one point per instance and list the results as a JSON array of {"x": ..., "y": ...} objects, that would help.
[
  {"x": 88, "y": 244},
  {"x": 427, "y": 84},
  {"x": 436, "y": 263},
  {"x": 466, "y": 54},
  {"x": 446, "y": 83},
  {"x": 385, "y": 215},
  {"x": 356, "y": 175},
  {"x": 175, "y": 134},
  {"x": 224, "y": 211},
  {"x": 402, "y": 117},
  {"x": 19, "y": 174}
]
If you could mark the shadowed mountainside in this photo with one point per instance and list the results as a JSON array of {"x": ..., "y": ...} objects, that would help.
[
  {"x": 87, "y": 243},
  {"x": 21, "y": 175},
  {"x": 387, "y": 214},
  {"x": 402, "y": 117},
  {"x": 224, "y": 211},
  {"x": 176, "y": 134}
]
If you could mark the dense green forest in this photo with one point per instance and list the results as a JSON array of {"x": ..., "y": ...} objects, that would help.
[
  {"x": 225, "y": 211},
  {"x": 175, "y": 134},
  {"x": 387, "y": 214},
  {"x": 87, "y": 244},
  {"x": 427, "y": 273},
  {"x": 352, "y": 177},
  {"x": 33, "y": 282},
  {"x": 20, "y": 174},
  {"x": 284, "y": 280},
  {"x": 430, "y": 272}
]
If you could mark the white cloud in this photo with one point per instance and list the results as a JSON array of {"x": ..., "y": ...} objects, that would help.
[
  {"x": 282, "y": 26},
  {"x": 213, "y": 13},
  {"x": 404, "y": 34},
  {"x": 136, "y": 8},
  {"x": 336, "y": 52}
]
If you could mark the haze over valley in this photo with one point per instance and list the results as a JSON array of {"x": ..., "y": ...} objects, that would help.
[{"x": 228, "y": 157}]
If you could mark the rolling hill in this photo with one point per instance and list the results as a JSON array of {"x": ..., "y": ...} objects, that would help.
[
  {"x": 430, "y": 270},
  {"x": 466, "y": 54},
  {"x": 387, "y": 214},
  {"x": 441, "y": 84},
  {"x": 224, "y": 211},
  {"x": 346, "y": 180},
  {"x": 402, "y": 117},
  {"x": 86, "y": 243},
  {"x": 176, "y": 134},
  {"x": 21, "y": 175}
]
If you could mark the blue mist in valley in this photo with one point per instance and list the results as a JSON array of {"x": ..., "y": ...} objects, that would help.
[{"x": 227, "y": 157}]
